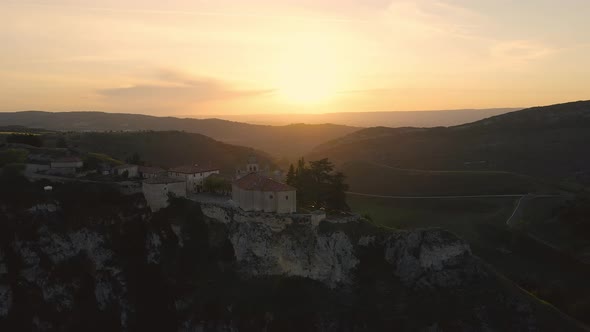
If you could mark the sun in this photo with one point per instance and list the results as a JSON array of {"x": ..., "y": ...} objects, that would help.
[
  {"x": 309, "y": 73},
  {"x": 308, "y": 86}
]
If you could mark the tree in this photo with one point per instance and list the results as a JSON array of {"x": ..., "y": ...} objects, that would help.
[
  {"x": 135, "y": 159},
  {"x": 29, "y": 139},
  {"x": 318, "y": 185},
  {"x": 216, "y": 184},
  {"x": 61, "y": 142},
  {"x": 291, "y": 176}
]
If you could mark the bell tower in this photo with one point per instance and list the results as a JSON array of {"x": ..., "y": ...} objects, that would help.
[{"x": 252, "y": 166}]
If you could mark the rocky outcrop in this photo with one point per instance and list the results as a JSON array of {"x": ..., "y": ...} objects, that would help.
[
  {"x": 430, "y": 258},
  {"x": 191, "y": 267},
  {"x": 268, "y": 244},
  {"x": 328, "y": 258}
]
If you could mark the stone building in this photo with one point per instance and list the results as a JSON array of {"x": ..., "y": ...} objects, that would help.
[
  {"x": 192, "y": 175},
  {"x": 132, "y": 171},
  {"x": 254, "y": 192},
  {"x": 251, "y": 167},
  {"x": 157, "y": 190}
]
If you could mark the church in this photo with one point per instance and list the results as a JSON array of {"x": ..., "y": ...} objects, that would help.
[{"x": 253, "y": 191}]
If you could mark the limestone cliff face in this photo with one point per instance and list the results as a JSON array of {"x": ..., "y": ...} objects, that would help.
[
  {"x": 212, "y": 268},
  {"x": 265, "y": 244}
]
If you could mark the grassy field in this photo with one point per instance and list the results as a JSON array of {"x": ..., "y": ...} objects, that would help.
[
  {"x": 543, "y": 218},
  {"x": 550, "y": 275},
  {"x": 365, "y": 177},
  {"x": 473, "y": 219}
]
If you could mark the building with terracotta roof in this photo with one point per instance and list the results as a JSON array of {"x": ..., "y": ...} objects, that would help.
[
  {"x": 193, "y": 175},
  {"x": 255, "y": 192}
]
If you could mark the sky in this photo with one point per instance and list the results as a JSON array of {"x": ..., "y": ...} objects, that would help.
[{"x": 196, "y": 58}]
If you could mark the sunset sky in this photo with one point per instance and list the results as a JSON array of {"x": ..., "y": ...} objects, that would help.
[{"x": 269, "y": 56}]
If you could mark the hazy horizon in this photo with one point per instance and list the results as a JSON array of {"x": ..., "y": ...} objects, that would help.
[
  {"x": 300, "y": 57},
  {"x": 421, "y": 118},
  {"x": 424, "y": 118}
]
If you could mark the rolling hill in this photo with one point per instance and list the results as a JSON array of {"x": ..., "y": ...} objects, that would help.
[
  {"x": 282, "y": 141},
  {"x": 378, "y": 179},
  {"x": 430, "y": 118},
  {"x": 158, "y": 148},
  {"x": 167, "y": 148},
  {"x": 546, "y": 142}
]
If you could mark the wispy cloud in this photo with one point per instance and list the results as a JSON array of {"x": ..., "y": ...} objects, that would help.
[
  {"x": 434, "y": 17},
  {"x": 174, "y": 90},
  {"x": 194, "y": 12},
  {"x": 466, "y": 29},
  {"x": 519, "y": 51}
]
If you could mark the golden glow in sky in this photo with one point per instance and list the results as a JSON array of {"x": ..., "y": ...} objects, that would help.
[
  {"x": 311, "y": 71},
  {"x": 204, "y": 57}
]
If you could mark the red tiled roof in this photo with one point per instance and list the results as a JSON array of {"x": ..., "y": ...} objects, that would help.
[
  {"x": 151, "y": 170},
  {"x": 258, "y": 182},
  {"x": 193, "y": 169}
]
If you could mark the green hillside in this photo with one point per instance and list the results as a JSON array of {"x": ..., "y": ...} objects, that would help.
[
  {"x": 282, "y": 141},
  {"x": 376, "y": 179},
  {"x": 167, "y": 148},
  {"x": 549, "y": 142}
]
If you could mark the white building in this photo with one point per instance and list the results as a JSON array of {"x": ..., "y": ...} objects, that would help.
[
  {"x": 157, "y": 190},
  {"x": 147, "y": 172},
  {"x": 192, "y": 175},
  {"x": 130, "y": 170},
  {"x": 254, "y": 192}
]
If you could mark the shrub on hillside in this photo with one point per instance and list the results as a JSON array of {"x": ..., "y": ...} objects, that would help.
[{"x": 33, "y": 140}]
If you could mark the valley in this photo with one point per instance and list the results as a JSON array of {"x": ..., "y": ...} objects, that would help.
[{"x": 500, "y": 184}]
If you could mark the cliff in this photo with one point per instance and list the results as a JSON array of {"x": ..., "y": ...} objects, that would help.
[{"x": 207, "y": 268}]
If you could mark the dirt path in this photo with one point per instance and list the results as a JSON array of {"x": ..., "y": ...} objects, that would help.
[
  {"x": 510, "y": 221},
  {"x": 439, "y": 197}
]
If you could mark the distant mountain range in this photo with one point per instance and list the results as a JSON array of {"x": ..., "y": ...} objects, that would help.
[
  {"x": 551, "y": 141},
  {"x": 289, "y": 141},
  {"x": 373, "y": 119}
]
